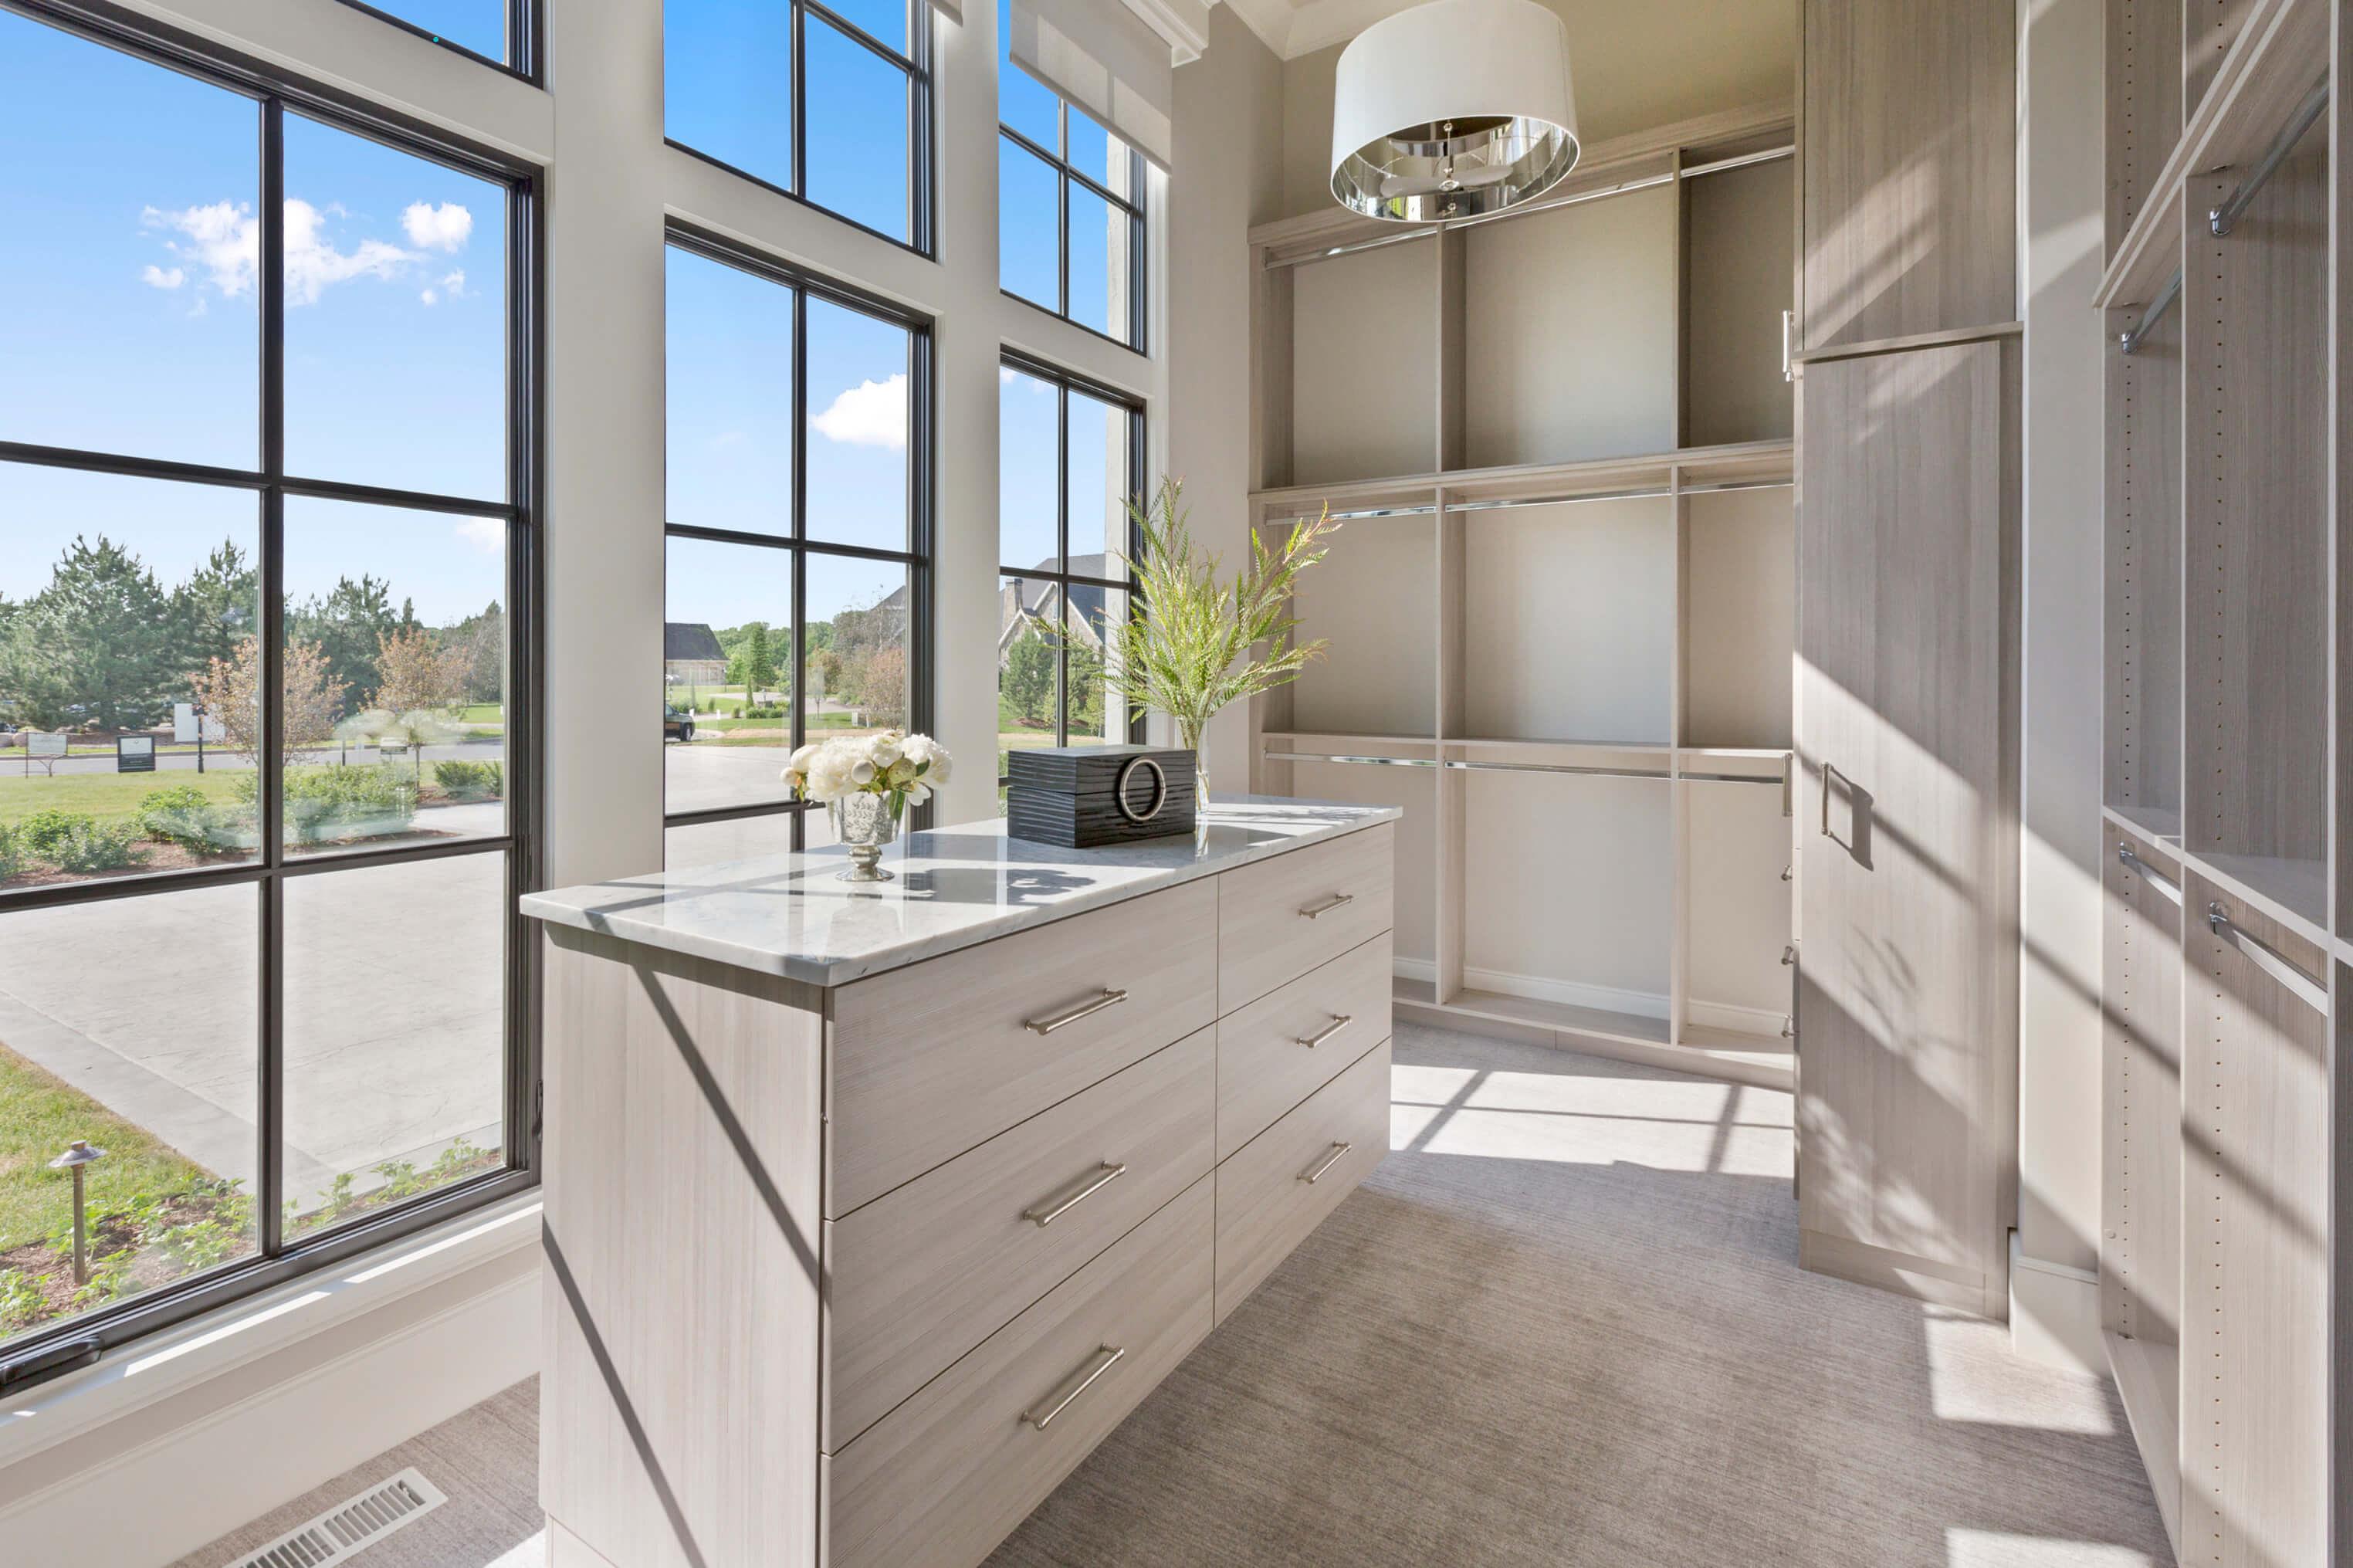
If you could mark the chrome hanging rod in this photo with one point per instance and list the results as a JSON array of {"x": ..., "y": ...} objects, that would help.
[
  {"x": 2164, "y": 886},
  {"x": 2221, "y": 218},
  {"x": 2269, "y": 959},
  {"x": 1598, "y": 193},
  {"x": 2130, "y": 342},
  {"x": 1429, "y": 508}
]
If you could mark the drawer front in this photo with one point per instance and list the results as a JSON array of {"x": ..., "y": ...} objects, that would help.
[
  {"x": 1285, "y": 1046},
  {"x": 926, "y": 1272},
  {"x": 1282, "y": 1183},
  {"x": 947, "y": 1476},
  {"x": 939, "y": 1057},
  {"x": 1282, "y": 917}
]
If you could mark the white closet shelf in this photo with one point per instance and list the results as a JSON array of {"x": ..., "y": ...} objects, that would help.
[
  {"x": 1502, "y": 743},
  {"x": 2292, "y": 891},
  {"x": 2149, "y": 822},
  {"x": 1296, "y": 737},
  {"x": 1743, "y": 463},
  {"x": 1765, "y": 1061}
]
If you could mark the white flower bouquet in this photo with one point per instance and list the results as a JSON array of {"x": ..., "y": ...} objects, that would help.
[{"x": 904, "y": 769}]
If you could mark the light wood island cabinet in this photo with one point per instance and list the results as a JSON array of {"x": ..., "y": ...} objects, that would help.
[{"x": 871, "y": 1210}]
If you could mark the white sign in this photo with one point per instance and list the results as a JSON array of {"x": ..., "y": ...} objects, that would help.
[
  {"x": 39, "y": 744},
  {"x": 184, "y": 726}
]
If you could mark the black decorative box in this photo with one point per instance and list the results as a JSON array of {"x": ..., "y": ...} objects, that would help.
[{"x": 1081, "y": 797}]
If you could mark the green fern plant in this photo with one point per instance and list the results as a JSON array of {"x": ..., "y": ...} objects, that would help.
[{"x": 1201, "y": 643}]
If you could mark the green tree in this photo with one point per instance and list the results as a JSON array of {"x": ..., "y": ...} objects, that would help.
[
  {"x": 97, "y": 647},
  {"x": 483, "y": 639},
  {"x": 1028, "y": 678},
  {"x": 218, "y": 607},
  {"x": 350, "y": 625},
  {"x": 759, "y": 661}
]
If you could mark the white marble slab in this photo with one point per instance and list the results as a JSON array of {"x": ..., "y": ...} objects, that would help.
[{"x": 789, "y": 915}]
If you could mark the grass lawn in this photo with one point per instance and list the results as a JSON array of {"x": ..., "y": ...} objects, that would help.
[
  {"x": 482, "y": 713},
  {"x": 109, "y": 796},
  {"x": 39, "y": 1116}
]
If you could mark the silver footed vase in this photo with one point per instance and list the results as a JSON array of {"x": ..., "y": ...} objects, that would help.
[{"x": 865, "y": 823}]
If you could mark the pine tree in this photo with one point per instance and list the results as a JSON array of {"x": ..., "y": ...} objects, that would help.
[{"x": 98, "y": 647}]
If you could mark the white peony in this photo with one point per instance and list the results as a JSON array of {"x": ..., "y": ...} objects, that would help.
[
  {"x": 884, "y": 764},
  {"x": 885, "y": 748},
  {"x": 931, "y": 756}
]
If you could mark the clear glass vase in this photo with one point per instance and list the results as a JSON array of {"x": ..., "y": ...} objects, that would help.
[{"x": 1194, "y": 737}]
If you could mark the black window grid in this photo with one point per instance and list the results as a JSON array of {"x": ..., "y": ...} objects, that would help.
[{"x": 1068, "y": 173}]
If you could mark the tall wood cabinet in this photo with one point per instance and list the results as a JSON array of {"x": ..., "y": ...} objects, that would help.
[
  {"x": 1909, "y": 473},
  {"x": 2227, "y": 1100}
]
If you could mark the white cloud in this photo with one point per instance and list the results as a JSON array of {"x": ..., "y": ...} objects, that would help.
[
  {"x": 442, "y": 226},
  {"x": 224, "y": 238},
  {"x": 1005, "y": 376},
  {"x": 454, "y": 283},
  {"x": 155, "y": 277},
  {"x": 314, "y": 265},
  {"x": 223, "y": 241},
  {"x": 431, "y": 296},
  {"x": 488, "y": 534},
  {"x": 870, "y": 414}
]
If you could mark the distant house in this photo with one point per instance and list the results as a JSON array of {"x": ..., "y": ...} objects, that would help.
[
  {"x": 691, "y": 655},
  {"x": 1021, "y": 600}
]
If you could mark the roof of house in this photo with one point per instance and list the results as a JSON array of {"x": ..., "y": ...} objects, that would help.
[{"x": 690, "y": 639}]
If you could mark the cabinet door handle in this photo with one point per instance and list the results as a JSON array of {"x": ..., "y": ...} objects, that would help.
[
  {"x": 1317, "y": 911},
  {"x": 1110, "y": 998},
  {"x": 1789, "y": 956},
  {"x": 1078, "y": 1382},
  {"x": 1339, "y": 1152},
  {"x": 1339, "y": 1020},
  {"x": 1046, "y": 1213}
]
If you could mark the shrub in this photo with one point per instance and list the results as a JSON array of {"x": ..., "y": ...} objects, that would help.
[
  {"x": 764, "y": 710},
  {"x": 14, "y": 858},
  {"x": 340, "y": 800},
  {"x": 470, "y": 780},
  {"x": 184, "y": 815},
  {"x": 43, "y": 832},
  {"x": 92, "y": 846}
]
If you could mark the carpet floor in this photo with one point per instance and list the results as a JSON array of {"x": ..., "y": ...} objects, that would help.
[{"x": 1561, "y": 1326}]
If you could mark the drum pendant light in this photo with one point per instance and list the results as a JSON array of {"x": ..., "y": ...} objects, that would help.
[{"x": 1453, "y": 109}]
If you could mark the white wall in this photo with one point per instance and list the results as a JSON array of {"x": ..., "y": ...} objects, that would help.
[
  {"x": 2055, "y": 1303},
  {"x": 597, "y": 128}
]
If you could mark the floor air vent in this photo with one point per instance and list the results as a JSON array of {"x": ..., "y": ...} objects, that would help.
[{"x": 340, "y": 1533}]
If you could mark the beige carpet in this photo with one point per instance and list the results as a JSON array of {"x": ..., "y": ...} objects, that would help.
[{"x": 1560, "y": 1325}]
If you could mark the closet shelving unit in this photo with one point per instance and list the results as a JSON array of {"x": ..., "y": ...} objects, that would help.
[
  {"x": 2226, "y": 1188},
  {"x": 1560, "y": 605}
]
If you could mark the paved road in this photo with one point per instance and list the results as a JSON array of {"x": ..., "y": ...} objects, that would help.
[{"x": 486, "y": 749}]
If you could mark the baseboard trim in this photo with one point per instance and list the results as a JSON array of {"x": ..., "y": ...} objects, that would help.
[
  {"x": 1924, "y": 1279},
  {"x": 2055, "y": 1313},
  {"x": 219, "y": 1451},
  {"x": 1761, "y": 1020},
  {"x": 1573, "y": 993},
  {"x": 1423, "y": 969}
]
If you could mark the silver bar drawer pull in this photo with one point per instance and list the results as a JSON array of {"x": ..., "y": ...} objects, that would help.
[
  {"x": 1339, "y": 1020},
  {"x": 1317, "y": 911},
  {"x": 1339, "y": 1152},
  {"x": 1110, "y": 998},
  {"x": 1042, "y": 1416},
  {"x": 1046, "y": 1213}
]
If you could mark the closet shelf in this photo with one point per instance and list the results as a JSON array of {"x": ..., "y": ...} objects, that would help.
[
  {"x": 1743, "y": 463},
  {"x": 1502, "y": 743},
  {"x": 2149, "y": 822},
  {"x": 2292, "y": 891},
  {"x": 2280, "y": 50},
  {"x": 1342, "y": 737},
  {"x": 1716, "y": 1053}
]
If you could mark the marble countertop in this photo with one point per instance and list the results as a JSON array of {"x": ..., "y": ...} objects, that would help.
[{"x": 789, "y": 915}]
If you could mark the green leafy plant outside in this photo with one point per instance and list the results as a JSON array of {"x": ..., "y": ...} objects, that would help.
[{"x": 470, "y": 780}]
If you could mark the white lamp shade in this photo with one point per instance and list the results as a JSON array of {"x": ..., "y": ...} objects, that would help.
[{"x": 1452, "y": 108}]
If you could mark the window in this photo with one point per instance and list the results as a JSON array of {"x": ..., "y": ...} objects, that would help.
[
  {"x": 797, "y": 555},
  {"x": 1070, "y": 198},
  {"x": 828, "y": 102},
  {"x": 1068, "y": 456},
  {"x": 493, "y": 31},
  {"x": 267, "y": 644}
]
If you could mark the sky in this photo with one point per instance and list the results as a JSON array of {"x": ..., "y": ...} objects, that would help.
[{"x": 129, "y": 322}]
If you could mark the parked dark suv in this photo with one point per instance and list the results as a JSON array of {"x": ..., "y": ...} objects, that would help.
[{"x": 677, "y": 725}]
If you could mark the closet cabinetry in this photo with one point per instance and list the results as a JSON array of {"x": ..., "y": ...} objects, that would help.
[
  {"x": 1559, "y": 609},
  {"x": 2225, "y": 1086}
]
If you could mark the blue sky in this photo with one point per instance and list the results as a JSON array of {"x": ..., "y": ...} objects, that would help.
[{"x": 131, "y": 323}]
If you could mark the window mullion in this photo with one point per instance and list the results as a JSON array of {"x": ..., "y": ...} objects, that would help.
[
  {"x": 800, "y": 99},
  {"x": 269, "y": 804}
]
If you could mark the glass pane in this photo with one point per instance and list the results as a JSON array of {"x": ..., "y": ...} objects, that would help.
[
  {"x": 1024, "y": 103},
  {"x": 1101, "y": 156},
  {"x": 129, "y": 1025},
  {"x": 396, "y": 1034},
  {"x": 128, "y": 318},
  {"x": 1093, "y": 714},
  {"x": 477, "y": 25},
  {"x": 727, "y": 660},
  {"x": 396, "y": 318},
  {"x": 1099, "y": 485},
  {"x": 395, "y": 678},
  {"x": 857, "y": 666},
  {"x": 1100, "y": 248},
  {"x": 857, "y": 124},
  {"x": 123, "y": 604},
  {"x": 1027, "y": 447},
  {"x": 858, "y": 396},
  {"x": 729, "y": 345},
  {"x": 1028, "y": 220},
  {"x": 1025, "y": 666},
  {"x": 884, "y": 20},
  {"x": 735, "y": 838},
  {"x": 727, "y": 84}
]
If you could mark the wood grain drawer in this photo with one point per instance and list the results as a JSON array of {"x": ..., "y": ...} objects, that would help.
[
  {"x": 938, "y": 1057},
  {"x": 943, "y": 1478},
  {"x": 1265, "y": 1062},
  {"x": 926, "y": 1272},
  {"x": 1280, "y": 917},
  {"x": 1282, "y": 1183}
]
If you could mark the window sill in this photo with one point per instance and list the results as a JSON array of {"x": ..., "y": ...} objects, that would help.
[{"x": 134, "y": 1376}]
